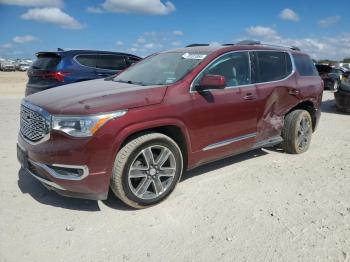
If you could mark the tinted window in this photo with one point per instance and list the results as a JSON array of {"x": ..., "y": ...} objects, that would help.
[
  {"x": 87, "y": 60},
  {"x": 323, "y": 68},
  {"x": 132, "y": 60},
  {"x": 111, "y": 62},
  {"x": 234, "y": 67},
  {"x": 273, "y": 65},
  {"x": 304, "y": 65},
  {"x": 46, "y": 62}
]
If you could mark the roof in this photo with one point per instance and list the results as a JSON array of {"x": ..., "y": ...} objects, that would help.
[{"x": 84, "y": 51}]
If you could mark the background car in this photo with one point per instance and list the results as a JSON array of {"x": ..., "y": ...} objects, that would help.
[
  {"x": 330, "y": 78},
  {"x": 52, "y": 69},
  {"x": 7, "y": 66},
  {"x": 342, "y": 96}
]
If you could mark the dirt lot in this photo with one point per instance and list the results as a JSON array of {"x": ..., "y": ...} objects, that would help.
[{"x": 261, "y": 206}]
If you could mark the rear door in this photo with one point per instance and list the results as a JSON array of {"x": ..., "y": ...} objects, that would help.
[
  {"x": 276, "y": 89},
  {"x": 109, "y": 64}
]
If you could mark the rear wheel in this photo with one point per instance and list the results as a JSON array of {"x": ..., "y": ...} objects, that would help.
[
  {"x": 297, "y": 132},
  {"x": 335, "y": 86},
  {"x": 146, "y": 170}
]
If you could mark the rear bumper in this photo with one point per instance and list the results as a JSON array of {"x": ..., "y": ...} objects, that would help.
[{"x": 342, "y": 100}]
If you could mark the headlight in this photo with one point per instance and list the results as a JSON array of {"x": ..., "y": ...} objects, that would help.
[{"x": 83, "y": 126}]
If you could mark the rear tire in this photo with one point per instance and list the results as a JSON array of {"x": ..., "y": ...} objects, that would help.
[
  {"x": 334, "y": 86},
  {"x": 297, "y": 132},
  {"x": 146, "y": 170}
]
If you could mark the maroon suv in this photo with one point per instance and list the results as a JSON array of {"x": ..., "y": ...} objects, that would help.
[{"x": 140, "y": 131}]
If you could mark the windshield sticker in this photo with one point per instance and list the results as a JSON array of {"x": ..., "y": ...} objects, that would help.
[
  {"x": 193, "y": 56},
  {"x": 170, "y": 80}
]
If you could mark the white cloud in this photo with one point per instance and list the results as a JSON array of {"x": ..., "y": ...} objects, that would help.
[
  {"x": 150, "y": 7},
  {"x": 119, "y": 43},
  {"x": 141, "y": 40},
  {"x": 52, "y": 15},
  {"x": 336, "y": 47},
  {"x": 176, "y": 43},
  {"x": 93, "y": 9},
  {"x": 178, "y": 32},
  {"x": 289, "y": 14},
  {"x": 24, "y": 39},
  {"x": 214, "y": 44},
  {"x": 7, "y": 45},
  {"x": 52, "y": 3},
  {"x": 329, "y": 21},
  {"x": 261, "y": 31}
]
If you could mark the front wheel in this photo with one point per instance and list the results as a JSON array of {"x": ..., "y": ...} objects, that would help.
[
  {"x": 297, "y": 132},
  {"x": 146, "y": 170}
]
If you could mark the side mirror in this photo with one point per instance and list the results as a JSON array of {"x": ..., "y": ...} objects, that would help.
[{"x": 211, "y": 82}]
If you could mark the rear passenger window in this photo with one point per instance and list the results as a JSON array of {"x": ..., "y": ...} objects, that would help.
[
  {"x": 87, "y": 60},
  {"x": 305, "y": 66},
  {"x": 273, "y": 66},
  {"x": 111, "y": 62}
]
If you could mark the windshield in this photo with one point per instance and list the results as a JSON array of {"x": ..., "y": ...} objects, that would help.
[{"x": 160, "y": 69}]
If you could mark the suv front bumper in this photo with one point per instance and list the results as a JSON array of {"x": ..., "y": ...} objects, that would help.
[{"x": 79, "y": 181}]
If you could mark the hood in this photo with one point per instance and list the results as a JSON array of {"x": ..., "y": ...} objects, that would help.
[{"x": 96, "y": 96}]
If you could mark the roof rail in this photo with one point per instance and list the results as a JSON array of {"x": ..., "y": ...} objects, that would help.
[
  {"x": 194, "y": 45},
  {"x": 253, "y": 42}
]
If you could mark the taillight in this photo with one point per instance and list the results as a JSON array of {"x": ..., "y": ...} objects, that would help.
[{"x": 59, "y": 76}]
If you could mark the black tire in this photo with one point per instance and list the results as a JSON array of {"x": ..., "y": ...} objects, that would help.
[
  {"x": 295, "y": 140},
  {"x": 120, "y": 183},
  {"x": 334, "y": 86}
]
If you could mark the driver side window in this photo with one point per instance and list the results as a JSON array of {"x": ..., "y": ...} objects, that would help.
[{"x": 234, "y": 67}]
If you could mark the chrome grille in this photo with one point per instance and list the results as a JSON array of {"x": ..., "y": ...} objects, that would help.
[{"x": 34, "y": 125}]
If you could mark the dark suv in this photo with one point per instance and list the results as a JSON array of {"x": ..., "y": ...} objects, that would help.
[
  {"x": 52, "y": 69},
  {"x": 140, "y": 131}
]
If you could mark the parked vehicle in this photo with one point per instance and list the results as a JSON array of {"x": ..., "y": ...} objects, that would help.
[
  {"x": 23, "y": 67},
  {"x": 330, "y": 77},
  {"x": 139, "y": 131},
  {"x": 52, "y": 69},
  {"x": 7, "y": 66},
  {"x": 342, "y": 96}
]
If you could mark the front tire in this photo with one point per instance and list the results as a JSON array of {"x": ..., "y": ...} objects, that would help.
[
  {"x": 297, "y": 132},
  {"x": 146, "y": 170}
]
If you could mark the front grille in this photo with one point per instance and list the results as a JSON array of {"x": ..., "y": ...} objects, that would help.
[{"x": 34, "y": 126}]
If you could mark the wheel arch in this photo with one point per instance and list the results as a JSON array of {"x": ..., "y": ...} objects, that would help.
[
  {"x": 308, "y": 106},
  {"x": 175, "y": 131}
]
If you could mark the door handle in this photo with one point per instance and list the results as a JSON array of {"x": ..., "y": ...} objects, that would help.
[
  {"x": 293, "y": 91},
  {"x": 249, "y": 96}
]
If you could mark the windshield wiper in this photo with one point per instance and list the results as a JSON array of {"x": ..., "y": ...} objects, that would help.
[{"x": 130, "y": 82}]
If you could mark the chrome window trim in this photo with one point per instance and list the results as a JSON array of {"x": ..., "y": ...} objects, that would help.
[
  {"x": 59, "y": 176},
  {"x": 192, "y": 90},
  {"x": 229, "y": 141},
  {"x": 76, "y": 60}
]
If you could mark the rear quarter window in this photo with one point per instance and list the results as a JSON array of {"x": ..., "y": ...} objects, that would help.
[
  {"x": 87, "y": 60},
  {"x": 305, "y": 65}
]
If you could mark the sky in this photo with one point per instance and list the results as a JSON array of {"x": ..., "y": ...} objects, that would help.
[{"x": 320, "y": 28}]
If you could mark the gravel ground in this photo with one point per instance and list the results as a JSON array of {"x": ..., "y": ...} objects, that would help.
[{"x": 260, "y": 206}]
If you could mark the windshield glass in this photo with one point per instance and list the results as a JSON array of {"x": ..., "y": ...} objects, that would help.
[{"x": 160, "y": 69}]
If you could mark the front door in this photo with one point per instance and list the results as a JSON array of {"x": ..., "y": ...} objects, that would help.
[{"x": 224, "y": 121}]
